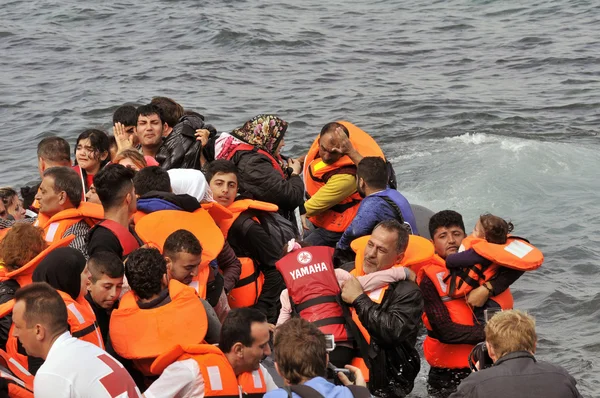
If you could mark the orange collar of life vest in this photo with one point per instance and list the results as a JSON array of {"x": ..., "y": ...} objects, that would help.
[{"x": 418, "y": 251}]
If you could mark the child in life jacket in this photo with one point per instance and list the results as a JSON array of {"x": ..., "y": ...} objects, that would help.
[
  {"x": 477, "y": 261},
  {"x": 311, "y": 268}
]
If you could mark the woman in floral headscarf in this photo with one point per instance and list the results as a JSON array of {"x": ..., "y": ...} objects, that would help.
[{"x": 263, "y": 173}]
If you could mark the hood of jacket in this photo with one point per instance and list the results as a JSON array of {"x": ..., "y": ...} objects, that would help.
[{"x": 156, "y": 200}]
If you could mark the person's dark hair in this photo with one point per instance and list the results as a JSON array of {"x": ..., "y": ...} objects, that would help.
[
  {"x": 105, "y": 263},
  {"x": 170, "y": 110},
  {"x": 66, "y": 179},
  {"x": 300, "y": 350},
  {"x": 126, "y": 115},
  {"x": 43, "y": 305},
  {"x": 99, "y": 141},
  {"x": 147, "y": 110},
  {"x": 54, "y": 149},
  {"x": 112, "y": 184},
  {"x": 237, "y": 327},
  {"x": 330, "y": 128},
  {"x": 189, "y": 112},
  {"x": 112, "y": 143},
  {"x": 182, "y": 241},
  {"x": 220, "y": 166},
  {"x": 151, "y": 178},
  {"x": 61, "y": 269},
  {"x": 496, "y": 229},
  {"x": 400, "y": 229},
  {"x": 144, "y": 271},
  {"x": 7, "y": 195},
  {"x": 374, "y": 171},
  {"x": 445, "y": 219}
]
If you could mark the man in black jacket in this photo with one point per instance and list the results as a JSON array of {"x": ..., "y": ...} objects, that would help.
[
  {"x": 391, "y": 315},
  {"x": 510, "y": 341}
]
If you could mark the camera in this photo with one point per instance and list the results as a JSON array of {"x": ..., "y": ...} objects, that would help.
[
  {"x": 329, "y": 342},
  {"x": 479, "y": 354}
]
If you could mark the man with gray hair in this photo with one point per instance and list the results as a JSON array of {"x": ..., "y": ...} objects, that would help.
[
  {"x": 510, "y": 340},
  {"x": 390, "y": 316}
]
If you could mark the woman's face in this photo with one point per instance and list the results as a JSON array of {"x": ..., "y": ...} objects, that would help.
[
  {"x": 88, "y": 157},
  {"x": 277, "y": 151},
  {"x": 129, "y": 163},
  {"x": 16, "y": 209}
]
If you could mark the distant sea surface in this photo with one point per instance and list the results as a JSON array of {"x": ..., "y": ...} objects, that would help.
[{"x": 483, "y": 106}]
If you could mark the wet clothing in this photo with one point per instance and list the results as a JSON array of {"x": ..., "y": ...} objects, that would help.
[
  {"x": 181, "y": 150},
  {"x": 519, "y": 375},
  {"x": 442, "y": 381}
]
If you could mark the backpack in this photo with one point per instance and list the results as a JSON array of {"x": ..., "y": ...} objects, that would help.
[
  {"x": 308, "y": 392},
  {"x": 279, "y": 228}
]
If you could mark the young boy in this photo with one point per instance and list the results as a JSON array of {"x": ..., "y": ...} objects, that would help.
[{"x": 104, "y": 288}]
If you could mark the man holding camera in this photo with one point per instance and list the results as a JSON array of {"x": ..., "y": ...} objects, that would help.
[
  {"x": 510, "y": 340},
  {"x": 300, "y": 353}
]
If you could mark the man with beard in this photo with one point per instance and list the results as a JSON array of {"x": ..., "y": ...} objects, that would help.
[
  {"x": 330, "y": 180},
  {"x": 379, "y": 203}
]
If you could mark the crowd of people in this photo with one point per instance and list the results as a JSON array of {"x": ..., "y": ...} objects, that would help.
[{"x": 169, "y": 260}]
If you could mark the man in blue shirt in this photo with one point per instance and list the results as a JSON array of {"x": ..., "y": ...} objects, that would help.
[{"x": 379, "y": 202}]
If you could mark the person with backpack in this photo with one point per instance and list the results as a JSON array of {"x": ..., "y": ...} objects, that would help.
[
  {"x": 256, "y": 232},
  {"x": 379, "y": 203},
  {"x": 300, "y": 354}
]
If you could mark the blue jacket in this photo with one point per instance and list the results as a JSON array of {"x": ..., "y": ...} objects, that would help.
[
  {"x": 372, "y": 210},
  {"x": 327, "y": 389}
]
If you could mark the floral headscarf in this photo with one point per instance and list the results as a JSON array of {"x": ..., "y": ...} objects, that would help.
[{"x": 263, "y": 131}]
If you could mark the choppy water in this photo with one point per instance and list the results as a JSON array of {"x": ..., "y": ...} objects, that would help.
[{"x": 482, "y": 106}]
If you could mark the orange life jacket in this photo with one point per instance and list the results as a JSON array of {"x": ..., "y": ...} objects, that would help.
[
  {"x": 317, "y": 173},
  {"x": 55, "y": 227},
  {"x": 217, "y": 211},
  {"x": 23, "y": 274},
  {"x": 452, "y": 356},
  {"x": 16, "y": 388},
  {"x": 19, "y": 377},
  {"x": 516, "y": 253},
  {"x": 249, "y": 286},
  {"x": 418, "y": 252},
  {"x": 144, "y": 334},
  {"x": 81, "y": 319},
  {"x": 155, "y": 228},
  {"x": 217, "y": 373}
]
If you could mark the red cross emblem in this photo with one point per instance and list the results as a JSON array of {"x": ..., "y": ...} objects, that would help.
[{"x": 118, "y": 381}]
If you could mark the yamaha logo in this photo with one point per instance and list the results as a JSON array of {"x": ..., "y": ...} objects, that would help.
[{"x": 304, "y": 257}]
